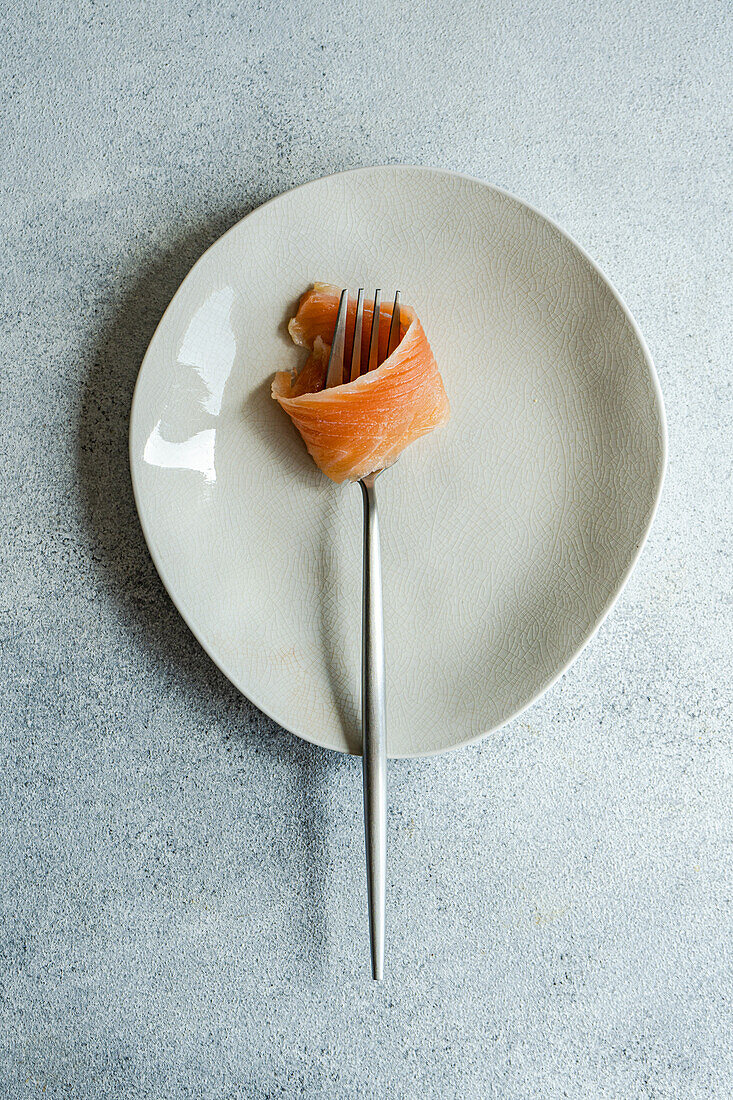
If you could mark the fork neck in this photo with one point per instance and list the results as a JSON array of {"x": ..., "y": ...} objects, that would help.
[{"x": 367, "y": 482}]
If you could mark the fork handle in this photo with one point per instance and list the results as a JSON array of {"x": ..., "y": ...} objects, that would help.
[{"x": 374, "y": 735}]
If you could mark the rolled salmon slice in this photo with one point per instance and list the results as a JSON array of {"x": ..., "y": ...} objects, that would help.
[{"x": 361, "y": 426}]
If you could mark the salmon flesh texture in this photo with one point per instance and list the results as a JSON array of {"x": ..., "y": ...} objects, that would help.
[{"x": 358, "y": 427}]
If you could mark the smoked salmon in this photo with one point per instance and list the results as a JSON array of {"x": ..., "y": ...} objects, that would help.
[{"x": 356, "y": 428}]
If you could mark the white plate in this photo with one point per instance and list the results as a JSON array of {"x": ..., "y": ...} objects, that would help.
[{"x": 506, "y": 535}]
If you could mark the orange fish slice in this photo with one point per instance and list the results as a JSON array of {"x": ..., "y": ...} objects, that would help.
[{"x": 365, "y": 423}]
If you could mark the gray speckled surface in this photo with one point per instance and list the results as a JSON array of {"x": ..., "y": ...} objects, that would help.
[{"x": 181, "y": 882}]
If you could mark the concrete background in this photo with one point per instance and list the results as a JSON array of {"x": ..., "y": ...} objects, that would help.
[{"x": 181, "y": 882}]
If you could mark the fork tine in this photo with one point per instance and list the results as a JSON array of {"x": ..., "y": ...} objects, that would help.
[
  {"x": 374, "y": 334},
  {"x": 394, "y": 327},
  {"x": 356, "y": 347},
  {"x": 335, "y": 372}
]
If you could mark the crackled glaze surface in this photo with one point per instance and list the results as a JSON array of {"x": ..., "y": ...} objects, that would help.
[{"x": 507, "y": 534}]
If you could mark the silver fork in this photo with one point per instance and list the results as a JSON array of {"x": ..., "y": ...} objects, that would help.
[{"x": 373, "y": 716}]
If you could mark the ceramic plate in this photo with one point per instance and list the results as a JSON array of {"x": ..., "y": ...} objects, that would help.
[{"x": 506, "y": 535}]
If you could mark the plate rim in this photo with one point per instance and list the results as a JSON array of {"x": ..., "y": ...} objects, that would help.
[{"x": 428, "y": 170}]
